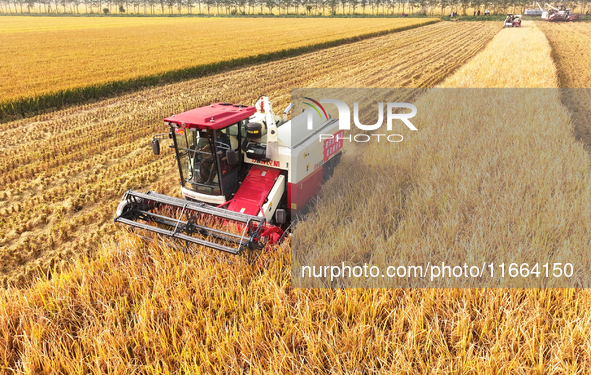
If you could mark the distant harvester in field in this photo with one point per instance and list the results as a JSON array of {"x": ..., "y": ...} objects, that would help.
[{"x": 558, "y": 14}]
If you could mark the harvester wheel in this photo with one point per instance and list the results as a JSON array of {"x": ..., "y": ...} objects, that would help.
[{"x": 327, "y": 171}]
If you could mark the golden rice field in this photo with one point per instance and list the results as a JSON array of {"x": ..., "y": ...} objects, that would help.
[
  {"x": 490, "y": 176},
  {"x": 63, "y": 173},
  {"x": 41, "y": 55},
  {"x": 151, "y": 310},
  {"x": 529, "y": 40},
  {"x": 138, "y": 308}
]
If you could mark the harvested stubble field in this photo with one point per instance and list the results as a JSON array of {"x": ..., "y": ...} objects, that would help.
[
  {"x": 138, "y": 308},
  {"x": 63, "y": 173},
  {"x": 43, "y": 55}
]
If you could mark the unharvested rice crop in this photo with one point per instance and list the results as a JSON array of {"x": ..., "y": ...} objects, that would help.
[
  {"x": 41, "y": 55},
  {"x": 63, "y": 173},
  {"x": 151, "y": 310},
  {"x": 147, "y": 309},
  {"x": 571, "y": 49},
  {"x": 490, "y": 176},
  {"x": 144, "y": 308},
  {"x": 505, "y": 49}
]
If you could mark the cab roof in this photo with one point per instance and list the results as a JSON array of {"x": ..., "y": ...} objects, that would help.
[{"x": 214, "y": 116}]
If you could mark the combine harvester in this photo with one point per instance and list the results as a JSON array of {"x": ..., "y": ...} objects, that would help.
[
  {"x": 512, "y": 20},
  {"x": 242, "y": 168},
  {"x": 554, "y": 14}
]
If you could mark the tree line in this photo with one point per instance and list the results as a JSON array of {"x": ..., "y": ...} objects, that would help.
[{"x": 276, "y": 7}]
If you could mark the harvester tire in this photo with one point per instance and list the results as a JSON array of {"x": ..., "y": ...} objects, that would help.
[{"x": 327, "y": 171}]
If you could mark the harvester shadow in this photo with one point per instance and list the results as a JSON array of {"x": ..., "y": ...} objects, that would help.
[
  {"x": 578, "y": 102},
  {"x": 346, "y": 223}
]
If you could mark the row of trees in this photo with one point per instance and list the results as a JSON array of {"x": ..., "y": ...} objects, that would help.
[{"x": 309, "y": 7}]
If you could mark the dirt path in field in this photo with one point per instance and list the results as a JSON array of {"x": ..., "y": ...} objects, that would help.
[
  {"x": 571, "y": 50},
  {"x": 64, "y": 173}
]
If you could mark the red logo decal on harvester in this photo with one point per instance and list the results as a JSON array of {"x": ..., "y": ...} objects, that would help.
[{"x": 333, "y": 144}]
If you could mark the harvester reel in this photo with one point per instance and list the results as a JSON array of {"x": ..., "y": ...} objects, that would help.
[
  {"x": 192, "y": 226},
  {"x": 136, "y": 210}
]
